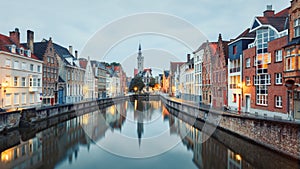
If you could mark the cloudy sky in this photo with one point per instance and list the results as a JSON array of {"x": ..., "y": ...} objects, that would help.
[{"x": 79, "y": 23}]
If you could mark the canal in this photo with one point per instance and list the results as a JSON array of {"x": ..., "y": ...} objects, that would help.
[{"x": 132, "y": 134}]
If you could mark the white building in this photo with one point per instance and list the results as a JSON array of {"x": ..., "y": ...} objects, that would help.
[
  {"x": 186, "y": 80},
  {"x": 198, "y": 60},
  {"x": 89, "y": 87},
  {"x": 20, "y": 74}
]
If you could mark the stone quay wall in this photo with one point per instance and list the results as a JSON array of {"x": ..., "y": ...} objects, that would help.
[{"x": 278, "y": 135}]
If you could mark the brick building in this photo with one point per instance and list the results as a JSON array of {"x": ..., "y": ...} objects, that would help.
[
  {"x": 219, "y": 74},
  {"x": 209, "y": 53},
  {"x": 291, "y": 54},
  {"x": 44, "y": 50},
  {"x": 264, "y": 90}
]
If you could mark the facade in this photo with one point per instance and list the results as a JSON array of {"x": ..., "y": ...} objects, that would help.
[
  {"x": 187, "y": 79},
  {"x": 100, "y": 74},
  {"x": 174, "y": 80},
  {"x": 45, "y": 52},
  {"x": 20, "y": 74},
  {"x": 198, "y": 62},
  {"x": 219, "y": 74},
  {"x": 291, "y": 55},
  {"x": 263, "y": 66},
  {"x": 71, "y": 75},
  {"x": 90, "y": 89},
  {"x": 165, "y": 81},
  {"x": 235, "y": 67},
  {"x": 209, "y": 53}
]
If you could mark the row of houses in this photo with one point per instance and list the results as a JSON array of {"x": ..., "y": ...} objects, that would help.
[
  {"x": 44, "y": 73},
  {"x": 256, "y": 72}
]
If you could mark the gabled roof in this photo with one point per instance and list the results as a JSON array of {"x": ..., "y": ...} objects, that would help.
[
  {"x": 174, "y": 65},
  {"x": 5, "y": 42},
  {"x": 166, "y": 73},
  {"x": 278, "y": 20},
  {"x": 83, "y": 63},
  {"x": 39, "y": 48},
  {"x": 63, "y": 53}
]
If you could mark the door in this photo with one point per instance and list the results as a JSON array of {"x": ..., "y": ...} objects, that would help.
[
  {"x": 248, "y": 103},
  {"x": 60, "y": 96}
]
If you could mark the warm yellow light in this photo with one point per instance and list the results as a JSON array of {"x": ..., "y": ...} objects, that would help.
[
  {"x": 240, "y": 85},
  {"x": 4, "y": 84},
  {"x": 135, "y": 88},
  {"x": 238, "y": 157}
]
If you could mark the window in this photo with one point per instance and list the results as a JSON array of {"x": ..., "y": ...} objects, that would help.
[
  {"x": 69, "y": 75},
  {"x": 290, "y": 63},
  {"x": 16, "y": 65},
  {"x": 38, "y": 68},
  {"x": 248, "y": 81},
  {"x": 39, "y": 82},
  {"x": 8, "y": 63},
  {"x": 34, "y": 82},
  {"x": 16, "y": 81},
  {"x": 8, "y": 99},
  {"x": 28, "y": 52},
  {"x": 48, "y": 59},
  {"x": 23, "y": 82},
  {"x": 31, "y": 98},
  {"x": 13, "y": 49},
  {"x": 23, "y": 98},
  {"x": 31, "y": 67},
  {"x": 278, "y": 78},
  {"x": 30, "y": 82},
  {"x": 262, "y": 95},
  {"x": 297, "y": 27},
  {"x": 234, "y": 98},
  {"x": 24, "y": 66},
  {"x": 16, "y": 98},
  {"x": 248, "y": 62},
  {"x": 21, "y": 51},
  {"x": 278, "y": 101},
  {"x": 264, "y": 79},
  {"x": 234, "y": 50},
  {"x": 278, "y": 55}
]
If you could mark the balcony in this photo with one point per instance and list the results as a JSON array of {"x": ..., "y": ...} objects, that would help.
[
  {"x": 33, "y": 89},
  {"x": 292, "y": 74},
  {"x": 234, "y": 70}
]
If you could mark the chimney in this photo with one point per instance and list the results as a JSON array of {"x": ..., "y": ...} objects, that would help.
[
  {"x": 30, "y": 37},
  {"x": 15, "y": 36},
  {"x": 188, "y": 57},
  {"x": 71, "y": 49},
  {"x": 76, "y": 54},
  {"x": 269, "y": 12}
]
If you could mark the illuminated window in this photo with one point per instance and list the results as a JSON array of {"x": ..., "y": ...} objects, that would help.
[
  {"x": 278, "y": 101},
  {"x": 248, "y": 81},
  {"x": 290, "y": 63}
]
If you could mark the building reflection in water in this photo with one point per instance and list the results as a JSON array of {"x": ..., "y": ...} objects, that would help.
[{"x": 63, "y": 141}]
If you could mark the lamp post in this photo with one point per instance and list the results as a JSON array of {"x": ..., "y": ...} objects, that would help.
[
  {"x": 135, "y": 89},
  {"x": 240, "y": 86}
]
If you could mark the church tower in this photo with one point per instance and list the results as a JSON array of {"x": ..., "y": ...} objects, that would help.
[{"x": 140, "y": 60}]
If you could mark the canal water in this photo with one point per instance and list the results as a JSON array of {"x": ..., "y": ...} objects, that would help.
[{"x": 138, "y": 134}]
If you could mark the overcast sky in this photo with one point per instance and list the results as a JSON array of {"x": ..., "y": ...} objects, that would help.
[{"x": 76, "y": 22}]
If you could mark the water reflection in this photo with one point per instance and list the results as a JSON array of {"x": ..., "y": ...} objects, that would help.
[{"x": 74, "y": 143}]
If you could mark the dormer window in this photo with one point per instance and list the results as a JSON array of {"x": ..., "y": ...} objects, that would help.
[
  {"x": 13, "y": 49},
  {"x": 21, "y": 51},
  {"x": 28, "y": 53}
]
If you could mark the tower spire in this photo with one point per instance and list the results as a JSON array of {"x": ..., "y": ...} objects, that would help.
[{"x": 140, "y": 59}]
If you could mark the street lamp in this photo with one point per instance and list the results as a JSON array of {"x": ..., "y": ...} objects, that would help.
[{"x": 135, "y": 89}]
